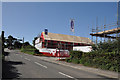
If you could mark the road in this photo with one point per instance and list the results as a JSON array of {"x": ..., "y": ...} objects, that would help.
[{"x": 28, "y": 66}]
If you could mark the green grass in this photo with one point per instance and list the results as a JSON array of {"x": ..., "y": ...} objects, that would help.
[
  {"x": 28, "y": 52},
  {"x": 28, "y": 49}
]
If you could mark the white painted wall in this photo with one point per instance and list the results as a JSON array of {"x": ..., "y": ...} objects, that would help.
[{"x": 83, "y": 48}]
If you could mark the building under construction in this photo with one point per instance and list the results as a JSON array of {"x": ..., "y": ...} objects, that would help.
[{"x": 52, "y": 44}]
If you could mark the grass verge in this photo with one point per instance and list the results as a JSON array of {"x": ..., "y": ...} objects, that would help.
[{"x": 29, "y": 50}]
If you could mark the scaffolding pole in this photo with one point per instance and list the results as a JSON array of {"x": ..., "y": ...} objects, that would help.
[
  {"x": 96, "y": 27},
  {"x": 104, "y": 27}
]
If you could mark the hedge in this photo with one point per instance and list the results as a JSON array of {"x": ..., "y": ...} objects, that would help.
[
  {"x": 30, "y": 50},
  {"x": 107, "y": 61}
]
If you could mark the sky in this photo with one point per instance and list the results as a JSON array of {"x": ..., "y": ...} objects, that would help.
[{"x": 29, "y": 19}]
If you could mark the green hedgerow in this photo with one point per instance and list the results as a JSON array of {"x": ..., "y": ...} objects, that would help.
[{"x": 76, "y": 61}]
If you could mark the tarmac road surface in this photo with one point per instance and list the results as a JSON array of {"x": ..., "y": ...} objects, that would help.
[{"x": 28, "y": 66}]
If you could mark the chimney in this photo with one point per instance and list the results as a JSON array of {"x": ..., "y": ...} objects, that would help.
[{"x": 46, "y": 31}]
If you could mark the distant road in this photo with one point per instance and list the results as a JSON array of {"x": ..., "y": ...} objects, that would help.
[{"x": 28, "y": 66}]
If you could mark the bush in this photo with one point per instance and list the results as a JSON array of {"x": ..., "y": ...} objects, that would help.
[
  {"x": 29, "y": 50},
  {"x": 76, "y": 61},
  {"x": 104, "y": 55},
  {"x": 82, "y": 61},
  {"x": 68, "y": 60},
  {"x": 37, "y": 51},
  {"x": 76, "y": 54}
]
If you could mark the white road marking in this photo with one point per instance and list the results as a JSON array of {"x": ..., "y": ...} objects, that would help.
[
  {"x": 66, "y": 75},
  {"x": 40, "y": 64},
  {"x": 27, "y": 59}
]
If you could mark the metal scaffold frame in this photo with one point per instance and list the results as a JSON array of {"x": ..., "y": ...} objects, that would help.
[{"x": 106, "y": 31}]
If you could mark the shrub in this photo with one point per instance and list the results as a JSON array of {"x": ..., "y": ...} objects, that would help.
[
  {"x": 67, "y": 59},
  {"x": 70, "y": 60},
  {"x": 76, "y": 54},
  {"x": 29, "y": 49},
  {"x": 37, "y": 51},
  {"x": 104, "y": 55},
  {"x": 86, "y": 64},
  {"x": 76, "y": 61},
  {"x": 82, "y": 60}
]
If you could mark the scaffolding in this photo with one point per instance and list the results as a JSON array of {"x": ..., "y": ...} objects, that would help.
[{"x": 107, "y": 31}]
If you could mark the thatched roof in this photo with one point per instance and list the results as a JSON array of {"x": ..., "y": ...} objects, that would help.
[{"x": 67, "y": 38}]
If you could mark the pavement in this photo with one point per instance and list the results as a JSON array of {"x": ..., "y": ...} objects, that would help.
[{"x": 29, "y": 66}]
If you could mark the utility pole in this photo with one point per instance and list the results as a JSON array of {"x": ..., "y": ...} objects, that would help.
[
  {"x": 3, "y": 42},
  {"x": 91, "y": 35},
  {"x": 118, "y": 39},
  {"x": 92, "y": 32},
  {"x": 23, "y": 42},
  {"x": 104, "y": 27},
  {"x": 101, "y": 30},
  {"x": 96, "y": 27}
]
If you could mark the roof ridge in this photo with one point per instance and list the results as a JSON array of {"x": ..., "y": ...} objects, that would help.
[
  {"x": 69, "y": 35},
  {"x": 66, "y": 38}
]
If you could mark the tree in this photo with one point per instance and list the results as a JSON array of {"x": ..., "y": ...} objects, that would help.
[
  {"x": 13, "y": 42},
  {"x": 34, "y": 40},
  {"x": 17, "y": 44},
  {"x": 10, "y": 41},
  {"x": 26, "y": 43}
]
